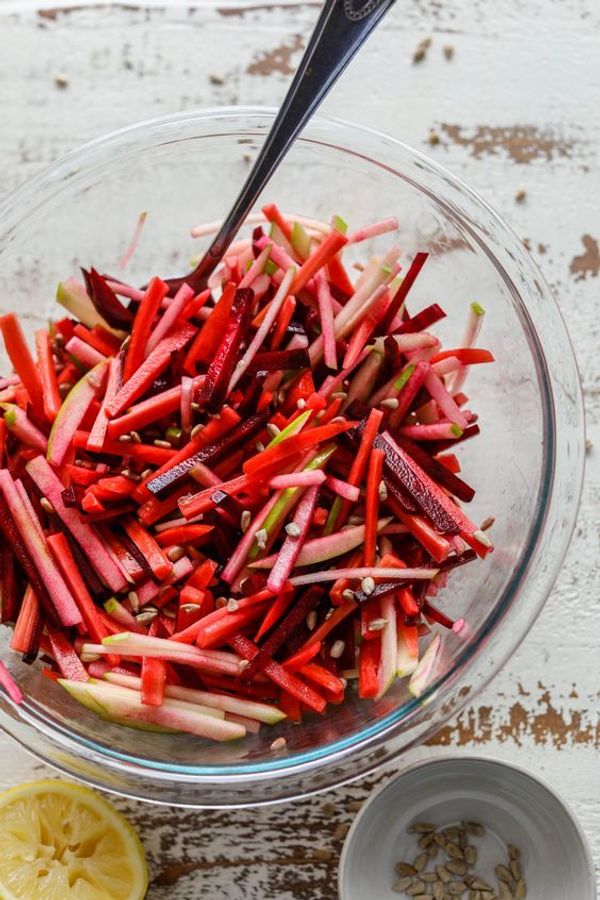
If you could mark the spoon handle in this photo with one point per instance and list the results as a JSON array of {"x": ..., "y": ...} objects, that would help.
[{"x": 342, "y": 28}]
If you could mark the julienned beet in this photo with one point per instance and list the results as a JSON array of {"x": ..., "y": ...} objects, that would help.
[{"x": 221, "y": 508}]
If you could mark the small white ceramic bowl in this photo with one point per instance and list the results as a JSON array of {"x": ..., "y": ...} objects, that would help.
[{"x": 514, "y": 807}]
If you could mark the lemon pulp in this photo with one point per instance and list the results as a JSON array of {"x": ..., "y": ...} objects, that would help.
[{"x": 62, "y": 841}]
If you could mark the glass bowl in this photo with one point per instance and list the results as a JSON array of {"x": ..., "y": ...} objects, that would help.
[{"x": 526, "y": 465}]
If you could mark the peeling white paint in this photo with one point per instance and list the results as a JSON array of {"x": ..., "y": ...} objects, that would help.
[{"x": 535, "y": 64}]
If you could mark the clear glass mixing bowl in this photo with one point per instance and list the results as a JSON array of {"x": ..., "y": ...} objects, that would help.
[{"x": 526, "y": 465}]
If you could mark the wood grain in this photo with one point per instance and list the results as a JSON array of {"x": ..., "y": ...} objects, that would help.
[{"x": 514, "y": 110}]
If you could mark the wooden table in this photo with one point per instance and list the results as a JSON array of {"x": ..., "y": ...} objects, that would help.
[{"x": 514, "y": 109}]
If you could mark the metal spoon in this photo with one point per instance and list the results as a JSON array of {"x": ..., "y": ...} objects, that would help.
[{"x": 341, "y": 30}]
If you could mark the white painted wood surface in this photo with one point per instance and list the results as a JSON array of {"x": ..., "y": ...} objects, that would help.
[{"x": 516, "y": 108}]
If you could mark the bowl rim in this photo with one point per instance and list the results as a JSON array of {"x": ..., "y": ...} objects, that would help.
[
  {"x": 466, "y": 760},
  {"x": 335, "y": 751}
]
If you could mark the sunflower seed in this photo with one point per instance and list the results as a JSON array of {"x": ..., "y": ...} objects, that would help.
[
  {"x": 503, "y": 874},
  {"x": 189, "y": 607},
  {"x": 504, "y": 892},
  {"x": 368, "y": 585},
  {"x": 46, "y": 505},
  {"x": 399, "y": 887},
  {"x": 166, "y": 445},
  {"x": 311, "y": 620},
  {"x": 147, "y": 616},
  {"x": 382, "y": 490},
  {"x": 515, "y": 868},
  {"x": 425, "y": 841},
  {"x": 273, "y": 429},
  {"x": 415, "y": 887},
  {"x": 377, "y": 624},
  {"x": 321, "y": 853},
  {"x": 404, "y": 868},
  {"x": 474, "y": 895},
  {"x": 443, "y": 874},
  {"x": 423, "y": 897},
  {"x": 456, "y": 888},
  {"x": 175, "y": 553},
  {"x": 438, "y": 891},
  {"x": 134, "y": 600},
  {"x": 451, "y": 833},
  {"x": 390, "y": 403},
  {"x": 337, "y": 648},
  {"x": 232, "y": 604},
  {"x": 135, "y": 437},
  {"x": 513, "y": 852},
  {"x": 420, "y": 861},
  {"x": 521, "y": 890},
  {"x": 470, "y": 854},
  {"x": 127, "y": 439},
  {"x": 196, "y": 431},
  {"x": 293, "y": 530},
  {"x": 453, "y": 850},
  {"x": 428, "y": 877},
  {"x": 440, "y": 840},
  {"x": 341, "y": 831},
  {"x": 475, "y": 828},
  {"x": 457, "y": 867},
  {"x": 243, "y": 664},
  {"x": 261, "y": 538},
  {"x": 489, "y": 895},
  {"x": 432, "y": 851},
  {"x": 480, "y": 885}
]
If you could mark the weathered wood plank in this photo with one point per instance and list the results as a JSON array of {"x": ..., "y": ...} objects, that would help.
[{"x": 514, "y": 109}]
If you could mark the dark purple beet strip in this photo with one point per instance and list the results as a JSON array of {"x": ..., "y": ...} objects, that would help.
[
  {"x": 30, "y": 654},
  {"x": 402, "y": 292},
  {"x": 384, "y": 589},
  {"x": 290, "y": 622},
  {"x": 394, "y": 486},
  {"x": 106, "y": 515},
  {"x": 453, "y": 562},
  {"x": 252, "y": 390},
  {"x": 396, "y": 467},
  {"x": 15, "y": 541},
  {"x": 214, "y": 388},
  {"x": 73, "y": 495},
  {"x": 274, "y": 360},
  {"x": 133, "y": 550},
  {"x": 88, "y": 573},
  {"x": 437, "y": 471},
  {"x": 296, "y": 327},
  {"x": 436, "y": 447},
  {"x": 257, "y": 234},
  {"x": 424, "y": 319},
  {"x": 432, "y": 612},
  {"x": 211, "y": 453},
  {"x": 105, "y": 301}
]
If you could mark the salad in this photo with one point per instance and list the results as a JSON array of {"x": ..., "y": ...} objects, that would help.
[{"x": 228, "y": 507}]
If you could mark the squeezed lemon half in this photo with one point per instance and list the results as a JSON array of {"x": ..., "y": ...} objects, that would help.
[{"x": 62, "y": 841}]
